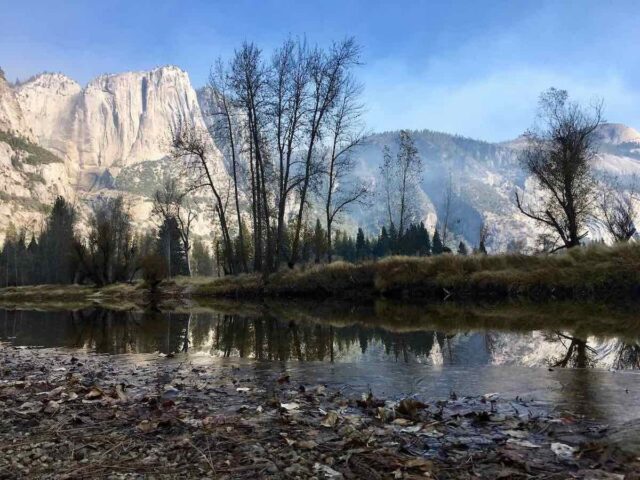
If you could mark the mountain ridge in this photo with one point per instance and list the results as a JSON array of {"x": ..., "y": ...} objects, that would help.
[{"x": 119, "y": 123}]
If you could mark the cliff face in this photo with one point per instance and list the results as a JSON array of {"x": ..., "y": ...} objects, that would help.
[
  {"x": 116, "y": 122},
  {"x": 11, "y": 116}
]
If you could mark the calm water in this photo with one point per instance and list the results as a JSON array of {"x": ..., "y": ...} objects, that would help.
[{"x": 388, "y": 351}]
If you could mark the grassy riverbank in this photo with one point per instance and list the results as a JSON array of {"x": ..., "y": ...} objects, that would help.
[{"x": 596, "y": 273}]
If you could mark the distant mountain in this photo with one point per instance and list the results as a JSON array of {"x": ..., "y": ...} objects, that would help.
[
  {"x": 111, "y": 137},
  {"x": 113, "y": 132}
]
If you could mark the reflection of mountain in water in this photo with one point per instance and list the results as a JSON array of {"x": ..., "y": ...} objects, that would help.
[{"x": 267, "y": 337}]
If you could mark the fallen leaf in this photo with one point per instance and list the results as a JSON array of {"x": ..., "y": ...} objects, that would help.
[
  {"x": 52, "y": 407},
  {"x": 94, "y": 393},
  {"x": 327, "y": 472},
  {"x": 522, "y": 443},
  {"x": 421, "y": 463},
  {"x": 120, "y": 393},
  {"x": 307, "y": 444},
  {"x": 290, "y": 406},
  {"x": 410, "y": 407},
  {"x": 330, "y": 419},
  {"x": 412, "y": 429},
  {"x": 145, "y": 426},
  {"x": 562, "y": 450},
  {"x": 401, "y": 421}
]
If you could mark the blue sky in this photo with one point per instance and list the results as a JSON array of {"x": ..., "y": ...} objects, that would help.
[{"x": 469, "y": 67}]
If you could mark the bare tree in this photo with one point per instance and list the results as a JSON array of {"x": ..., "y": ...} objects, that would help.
[
  {"x": 328, "y": 77},
  {"x": 288, "y": 104},
  {"x": 401, "y": 177},
  {"x": 171, "y": 202},
  {"x": 339, "y": 189},
  {"x": 249, "y": 81},
  {"x": 192, "y": 146},
  {"x": 560, "y": 157},
  {"x": 617, "y": 208},
  {"x": 225, "y": 130}
]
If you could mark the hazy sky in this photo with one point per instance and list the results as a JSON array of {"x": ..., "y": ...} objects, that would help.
[{"x": 469, "y": 67}]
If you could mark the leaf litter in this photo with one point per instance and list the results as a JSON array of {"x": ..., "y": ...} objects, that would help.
[{"x": 108, "y": 417}]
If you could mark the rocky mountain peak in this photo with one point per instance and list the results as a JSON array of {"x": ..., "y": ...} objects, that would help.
[{"x": 618, "y": 133}]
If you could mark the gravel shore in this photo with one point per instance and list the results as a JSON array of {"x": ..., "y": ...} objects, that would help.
[{"x": 81, "y": 415}]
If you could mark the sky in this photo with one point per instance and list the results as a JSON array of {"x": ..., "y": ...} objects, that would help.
[{"x": 470, "y": 67}]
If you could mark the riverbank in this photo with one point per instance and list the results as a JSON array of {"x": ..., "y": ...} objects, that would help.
[
  {"x": 590, "y": 273},
  {"x": 69, "y": 415},
  {"x": 594, "y": 273}
]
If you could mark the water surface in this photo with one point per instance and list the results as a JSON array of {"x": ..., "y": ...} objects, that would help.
[{"x": 393, "y": 350}]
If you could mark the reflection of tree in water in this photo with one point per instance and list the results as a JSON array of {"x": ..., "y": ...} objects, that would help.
[
  {"x": 109, "y": 331},
  {"x": 268, "y": 338},
  {"x": 578, "y": 354},
  {"x": 627, "y": 356}
]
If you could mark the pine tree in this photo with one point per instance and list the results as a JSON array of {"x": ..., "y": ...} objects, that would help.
[
  {"x": 319, "y": 241},
  {"x": 462, "y": 249},
  {"x": 360, "y": 245},
  {"x": 424, "y": 241},
  {"x": 437, "y": 247},
  {"x": 171, "y": 249}
]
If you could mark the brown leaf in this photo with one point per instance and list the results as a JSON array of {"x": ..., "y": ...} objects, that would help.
[
  {"x": 94, "y": 393},
  {"x": 330, "y": 419},
  {"x": 410, "y": 407}
]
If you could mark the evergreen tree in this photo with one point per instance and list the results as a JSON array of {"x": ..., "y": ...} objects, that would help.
[
  {"x": 437, "y": 247},
  {"x": 361, "y": 246},
  {"x": 424, "y": 242},
  {"x": 56, "y": 244},
  {"x": 171, "y": 249},
  {"x": 393, "y": 240},
  {"x": 482, "y": 248},
  {"x": 319, "y": 241},
  {"x": 462, "y": 249}
]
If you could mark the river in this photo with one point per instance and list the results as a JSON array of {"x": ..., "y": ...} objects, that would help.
[{"x": 588, "y": 369}]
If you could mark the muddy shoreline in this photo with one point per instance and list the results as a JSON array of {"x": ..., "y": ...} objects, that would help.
[{"x": 74, "y": 415}]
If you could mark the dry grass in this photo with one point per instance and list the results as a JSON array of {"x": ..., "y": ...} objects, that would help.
[
  {"x": 594, "y": 272},
  {"x": 591, "y": 273}
]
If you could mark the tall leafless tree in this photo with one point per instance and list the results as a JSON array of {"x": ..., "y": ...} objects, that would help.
[
  {"x": 288, "y": 93},
  {"x": 192, "y": 145},
  {"x": 226, "y": 130},
  {"x": 249, "y": 80},
  {"x": 338, "y": 188},
  {"x": 328, "y": 73},
  {"x": 401, "y": 177},
  {"x": 560, "y": 157}
]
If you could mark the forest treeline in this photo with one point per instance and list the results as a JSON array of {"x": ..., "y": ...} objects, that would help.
[{"x": 111, "y": 251}]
